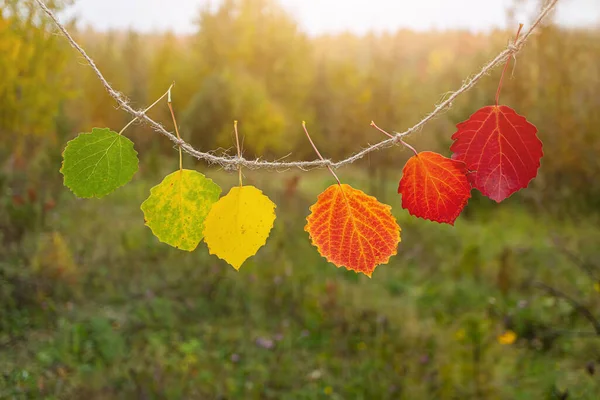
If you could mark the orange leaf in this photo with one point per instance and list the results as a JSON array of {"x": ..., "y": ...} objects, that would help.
[
  {"x": 352, "y": 229},
  {"x": 501, "y": 149},
  {"x": 434, "y": 187}
]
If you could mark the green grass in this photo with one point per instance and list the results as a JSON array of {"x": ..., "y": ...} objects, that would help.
[{"x": 133, "y": 318}]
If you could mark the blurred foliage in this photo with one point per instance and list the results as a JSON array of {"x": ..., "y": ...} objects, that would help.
[
  {"x": 92, "y": 306},
  {"x": 33, "y": 83},
  {"x": 103, "y": 311}
]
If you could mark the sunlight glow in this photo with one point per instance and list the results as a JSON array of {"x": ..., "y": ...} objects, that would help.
[{"x": 333, "y": 16}]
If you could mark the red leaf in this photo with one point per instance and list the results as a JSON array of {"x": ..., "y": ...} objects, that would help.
[
  {"x": 434, "y": 187},
  {"x": 500, "y": 148}
]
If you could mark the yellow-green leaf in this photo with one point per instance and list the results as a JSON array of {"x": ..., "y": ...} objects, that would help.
[
  {"x": 177, "y": 208},
  {"x": 239, "y": 224}
]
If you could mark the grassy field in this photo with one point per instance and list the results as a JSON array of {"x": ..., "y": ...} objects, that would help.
[{"x": 94, "y": 308}]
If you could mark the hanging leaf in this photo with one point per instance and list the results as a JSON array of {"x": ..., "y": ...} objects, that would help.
[
  {"x": 352, "y": 229},
  {"x": 434, "y": 187},
  {"x": 500, "y": 149},
  {"x": 239, "y": 224},
  {"x": 97, "y": 163},
  {"x": 178, "y": 206}
]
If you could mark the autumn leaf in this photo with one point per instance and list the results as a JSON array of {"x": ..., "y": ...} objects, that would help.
[
  {"x": 434, "y": 187},
  {"x": 352, "y": 229},
  {"x": 178, "y": 206},
  {"x": 97, "y": 163},
  {"x": 500, "y": 149},
  {"x": 239, "y": 224}
]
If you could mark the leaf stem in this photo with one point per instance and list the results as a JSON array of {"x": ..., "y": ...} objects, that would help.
[
  {"x": 239, "y": 150},
  {"x": 176, "y": 128},
  {"x": 319, "y": 154},
  {"x": 506, "y": 66},
  {"x": 147, "y": 109},
  {"x": 392, "y": 137}
]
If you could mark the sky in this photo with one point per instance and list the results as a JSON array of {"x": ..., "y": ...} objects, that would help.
[{"x": 334, "y": 16}]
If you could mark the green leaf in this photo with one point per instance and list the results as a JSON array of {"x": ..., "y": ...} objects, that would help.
[
  {"x": 97, "y": 163},
  {"x": 177, "y": 208}
]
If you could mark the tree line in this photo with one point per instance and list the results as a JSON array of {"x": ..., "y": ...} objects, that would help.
[{"x": 250, "y": 61}]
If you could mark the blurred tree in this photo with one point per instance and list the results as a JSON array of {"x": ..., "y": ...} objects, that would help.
[
  {"x": 172, "y": 61},
  {"x": 93, "y": 107},
  {"x": 257, "y": 36},
  {"x": 258, "y": 39},
  {"x": 250, "y": 61},
  {"x": 227, "y": 96},
  {"x": 135, "y": 59},
  {"x": 32, "y": 85}
]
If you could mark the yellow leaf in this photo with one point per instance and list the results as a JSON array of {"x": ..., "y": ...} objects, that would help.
[
  {"x": 507, "y": 337},
  {"x": 597, "y": 287},
  {"x": 177, "y": 207},
  {"x": 239, "y": 224}
]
